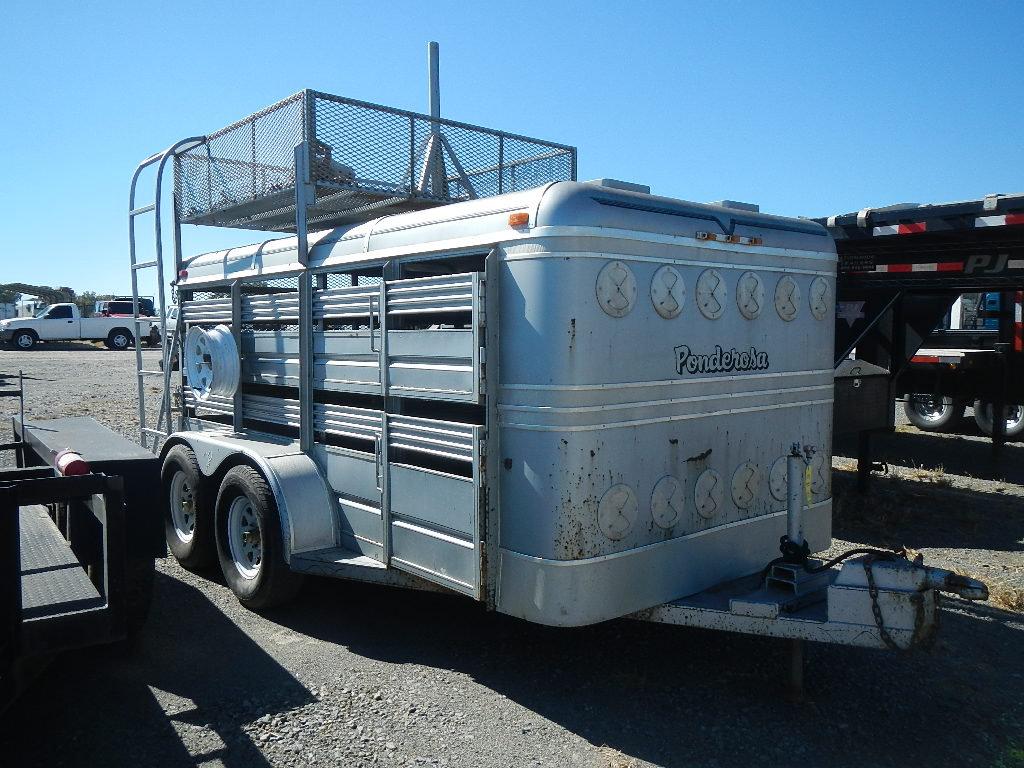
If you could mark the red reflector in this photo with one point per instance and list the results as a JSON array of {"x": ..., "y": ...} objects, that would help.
[
  {"x": 901, "y": 268},
  {"x": 924, "y": 359},
  {"x": 951, "y": 266},
  {"x": 909, "y": 229},
  {"x": 183, "y": 274},
  {"x": 1015, "y": 218},
  {"x": 69, "y": 464}
]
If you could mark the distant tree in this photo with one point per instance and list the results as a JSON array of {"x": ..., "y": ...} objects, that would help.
[
  {"x": 8, "y": 296},
  {"x": 86, "y": 301}
]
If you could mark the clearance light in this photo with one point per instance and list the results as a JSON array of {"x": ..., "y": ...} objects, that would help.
[
  {"x": 707, "y": 236},
  {"x": 183, "y": 274},
  {"x": 520, "y": 219}
]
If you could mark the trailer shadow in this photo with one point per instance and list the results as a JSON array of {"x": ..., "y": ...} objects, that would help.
[
  {"x": 897, "y": 511},
  {"x": 679, "y": 697},
  {"x": 970, "y": 456},
  {"x": 101, "y": 709}
]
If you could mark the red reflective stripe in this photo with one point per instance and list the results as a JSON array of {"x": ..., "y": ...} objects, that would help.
[
  {"x": 909, "y": 229},
  {"x": 924, "y": 359},
  {"x": 951, "y": 266},
  {"x": 901, "y": 267},
  {"x": 1015, "y": 218}
]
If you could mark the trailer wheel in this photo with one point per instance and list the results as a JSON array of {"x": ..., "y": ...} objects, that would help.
[
  {"x": 1014, "y": 418},
  {"x": 119, "y": 339},
  {"x": 24, "y": 339},
  {"x": 188, "y": 519},
  {"x": 932, "y": 413},
  {"x": 249, "y": 542}
]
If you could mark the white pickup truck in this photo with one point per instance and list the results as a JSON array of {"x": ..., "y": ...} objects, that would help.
[{"x": 64, "y": 322}]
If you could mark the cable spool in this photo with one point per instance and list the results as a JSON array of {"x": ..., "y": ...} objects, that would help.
[{"x": 211, "y": 362}]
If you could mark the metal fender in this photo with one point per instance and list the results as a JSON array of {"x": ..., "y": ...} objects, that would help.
[{"x": 304, "y": 502}]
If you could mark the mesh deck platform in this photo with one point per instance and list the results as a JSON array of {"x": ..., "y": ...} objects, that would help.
[
  {"x": 364, "y": 161},
  {"x": 53, "y": 582}
]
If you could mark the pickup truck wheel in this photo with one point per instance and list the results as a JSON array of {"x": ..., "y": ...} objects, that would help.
[
  {"x": 932, "y": 413},
  {"x": 188, "y": 514},
  {"x": 1014, "y": 418},
  {"x": 119, "y": 339},
  {"x": 249, "y": 542},
  {"x": 24, "y": 339}
]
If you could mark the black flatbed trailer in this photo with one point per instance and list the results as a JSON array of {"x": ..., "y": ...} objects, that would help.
[
  {"x": 900, "y": 270},
  {"x": 77, "y": 551}
]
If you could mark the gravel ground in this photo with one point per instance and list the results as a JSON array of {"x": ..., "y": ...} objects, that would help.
[{"x": 353, "y": 675}]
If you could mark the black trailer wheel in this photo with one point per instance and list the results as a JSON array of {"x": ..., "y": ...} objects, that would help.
[
  {"x": 932, "y": 413},
  {"x": 24, "y": 339},
  {"x": 188, "y": 514},
  {"x": 119, "y": 339},
  {"x": 1014, "y": 418},
  {"x": 249, "y": 542}
]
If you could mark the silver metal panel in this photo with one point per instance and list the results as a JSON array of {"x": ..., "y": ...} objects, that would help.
[
  {"x": 435, "y": 556},
  {"x": 349, "y": 473},
  {"x": 452, "y": 440},
  {"x": 434, "y": 498},
  {"x": 360, "y": 527},
  {"x": 270, "y": 308},
  {"x": 207, "y": 311},
  {"x": 585, "y": 591}
]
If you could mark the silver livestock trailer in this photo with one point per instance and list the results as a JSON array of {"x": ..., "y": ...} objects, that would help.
[{"x": 570, "y": 401}]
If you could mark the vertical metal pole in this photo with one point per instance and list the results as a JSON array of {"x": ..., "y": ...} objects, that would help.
[
  {"x": 435, "y": 154},
  {"x": 303, "y": 194},
  {"x": 237, "y": 412},
  {"x": 795, "y": 506},
  {"x": 863, "y": 461},
  {"x": 434, "y": 83},
  {"x": 385, "y": 453}
]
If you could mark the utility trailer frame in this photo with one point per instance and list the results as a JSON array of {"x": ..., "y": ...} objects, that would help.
[
  {"x": 78, "y": 550},
  {"x": 900, "y": 270}
]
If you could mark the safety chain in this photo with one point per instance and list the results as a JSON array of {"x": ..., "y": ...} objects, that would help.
[{"x": 919, "y": 638}]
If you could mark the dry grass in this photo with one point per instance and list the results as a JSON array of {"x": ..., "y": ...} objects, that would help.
[
  {"x": 613, "y": 758},
  {"x": 935, "y": 476}
]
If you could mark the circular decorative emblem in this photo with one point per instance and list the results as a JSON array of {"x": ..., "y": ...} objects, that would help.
[
  {"x": 667, "y": 502},
  {"x": 820, "y": 295},
  {"x": 778, "y": 478},
  {"x": 711, "y": 294},
  {"x": 750, "y": 295},
  {"x": 668, "y": 292},
  {"x": 616, "y": 289},
  {"x": 616, "y": 512},
  {"x": 746, "y": 484},
  {"x": 787, "y": 298},
  {"x": 707, "y": 493}
]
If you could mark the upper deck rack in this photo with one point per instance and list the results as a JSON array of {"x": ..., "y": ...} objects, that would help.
[{"x": 362, "y": 160}]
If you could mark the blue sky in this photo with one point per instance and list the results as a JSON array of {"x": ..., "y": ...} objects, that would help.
[{"x": 804, "y": 108}]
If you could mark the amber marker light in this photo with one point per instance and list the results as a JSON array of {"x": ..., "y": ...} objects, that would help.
[{"x": 520, "y": 219}]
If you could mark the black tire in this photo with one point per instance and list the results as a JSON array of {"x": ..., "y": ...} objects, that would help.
[
  {"x": 120, "y": 339},
  {"x": 24, "y": 339},
  {"x": 192, "y": 543},
  {"x": 1014, "y": 418},
  {"x": 932, "y": 413},
  {"x": 271, "y": 582}
]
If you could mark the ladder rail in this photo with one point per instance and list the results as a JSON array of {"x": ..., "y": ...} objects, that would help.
[{"x": 134, "y": 210}]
